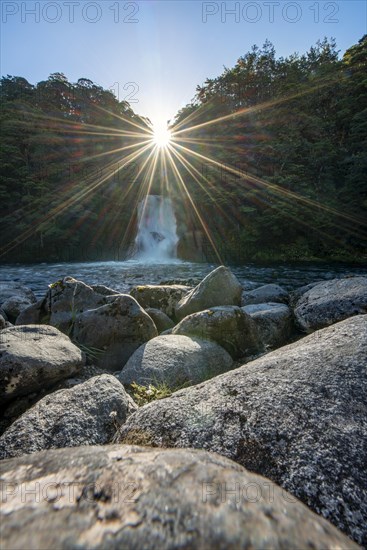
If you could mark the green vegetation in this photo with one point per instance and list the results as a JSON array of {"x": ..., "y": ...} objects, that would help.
[
  {"x": 145, "y": 394},
  {"x": 299, "y": 148},
  {"x": 288, "y": 136}
]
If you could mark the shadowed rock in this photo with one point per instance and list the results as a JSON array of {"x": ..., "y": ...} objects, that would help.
[
  {"x": 80, "y": 415},
  {"x": 229, "y": 326},
  {"x": 162, "y": 297},
  {"x": 115, "y": 330}
]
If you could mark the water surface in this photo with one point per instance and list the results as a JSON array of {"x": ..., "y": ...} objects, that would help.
[{"x": 122, "y": 276}]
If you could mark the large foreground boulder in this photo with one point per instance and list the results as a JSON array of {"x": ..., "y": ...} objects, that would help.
[
  {"x": 274, "y": 322},
  {"x": 121, "y": 497},
  {"x": 175, "y": 361},
  {"x": 162, "y": 297},
  {"x": 114, "y": 331},
  {"x": 296, "y": 415},
  {"x": 33, "y": 357},
  {"x": 331, "y": 301},
  {"x": 229, "y": 326},
  {"x": 86, "y": 414},
  {"x": 219, "y": 288},
  {"x": 265, "y": 293}
]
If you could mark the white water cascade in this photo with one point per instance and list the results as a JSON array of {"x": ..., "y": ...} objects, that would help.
[{"x": 156, "y": 239}]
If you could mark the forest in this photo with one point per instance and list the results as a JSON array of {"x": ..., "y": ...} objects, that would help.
[{"x": 272, "y": 153}]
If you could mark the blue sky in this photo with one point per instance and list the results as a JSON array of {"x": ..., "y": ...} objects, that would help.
[{"x": 154, "y": 53}]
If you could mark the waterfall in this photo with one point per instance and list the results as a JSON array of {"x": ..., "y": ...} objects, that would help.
[{"x": 156, "y": 238}]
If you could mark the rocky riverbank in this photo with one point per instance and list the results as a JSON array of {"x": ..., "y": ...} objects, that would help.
[{"x": 274, "y": 382}]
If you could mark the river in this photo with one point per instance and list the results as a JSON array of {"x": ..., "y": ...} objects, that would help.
[{"x": 122, "y": 276}]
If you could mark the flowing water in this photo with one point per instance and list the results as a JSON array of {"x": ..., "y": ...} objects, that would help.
[
  {"x": 122, "y": 276},
  {"x": 156, "y": 239}
]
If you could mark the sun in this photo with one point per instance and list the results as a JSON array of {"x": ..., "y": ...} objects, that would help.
[{"x": 161, "y": 136}]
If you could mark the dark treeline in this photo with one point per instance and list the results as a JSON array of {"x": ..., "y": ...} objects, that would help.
[
  {"x": 288, "y": 137},
  {"x": 64, "y": 180},
  {"x": 299, "y": 149}
]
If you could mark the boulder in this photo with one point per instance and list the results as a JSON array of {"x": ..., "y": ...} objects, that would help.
[
  {"x": 86, "y": 414},
  {"x": 122, "y": 496},
  {"x": 274, "y": 322},
  {"x": 229, "y": 326},
  {"x": 162, "y": 297},
  {"x": 161, "y": 320},
  {"x": 104, "y": 290},
  {"x": 174, "y": 361},
  {"x": 296, "y": 415},
  {"x": 32, "y": 315},
  {"x": 114, "y": 331},
  {"x": 16, "y": 407},
  {"x": 296, "y": 294},
  {"x": 2, "y": 322},
  {"x": 14, "y": 305},
  {"x": 10, "y": 289},
  {"x": 3, "y": 314},
  {"x": 219, "y": 288},
  {"x": 264, "y": 294},
  {"x": 33, "y": 357},
  {"x": 67, "y": 298},
  {"x": 331, "y": 301}
]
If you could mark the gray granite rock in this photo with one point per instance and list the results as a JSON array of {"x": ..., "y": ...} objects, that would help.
[
  {"x": 33, "y": 357},
  {"x": 127, "y": 497},
  {"x": 229, "y": 326},
  {"x": 71, "y": 417},
  {"x": 162, "y": 297},
  {"x": 274, "y": 322},
  {"x": 175, "y": 360},
  {"x": 296, "y": 415},
  {"x": 265, "y": 293},
  {"x": 330, "y": 302},
  {"x": 219, "y": 288},
  {"x": 161, "y": 320},
  {"x": 114, "y": 331}
]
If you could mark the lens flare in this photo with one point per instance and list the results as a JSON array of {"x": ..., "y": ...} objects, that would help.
[{"x": 161, "y": 136}]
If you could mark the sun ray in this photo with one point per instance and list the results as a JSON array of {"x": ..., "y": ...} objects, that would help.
[
  {"x": 202, "y": 222},
  {"x": 255, "y": 108}
]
